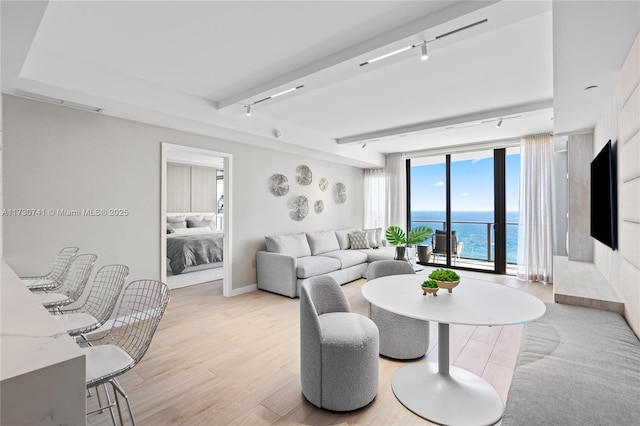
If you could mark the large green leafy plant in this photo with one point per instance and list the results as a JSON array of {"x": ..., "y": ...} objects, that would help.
[{"x": 397, "y": 237}]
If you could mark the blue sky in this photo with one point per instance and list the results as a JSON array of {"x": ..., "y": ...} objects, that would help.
[{"x": 471, "y": 185}]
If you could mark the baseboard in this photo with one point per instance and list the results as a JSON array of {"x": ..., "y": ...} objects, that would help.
[{"x": 242, "y": 290}]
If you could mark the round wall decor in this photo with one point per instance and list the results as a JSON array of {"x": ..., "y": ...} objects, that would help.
[
  {"x": 279, "y": 185},
  {"x": 323, "y": 184},
  {"x": 339, "y": 193},
  {"x": 318, "y": 206},
  {"x": 299, "y": 206},
  {"x": 303, "y": 175}
]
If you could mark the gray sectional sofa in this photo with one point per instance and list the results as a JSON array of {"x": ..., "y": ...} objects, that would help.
[{"x": 292, "y": 259}]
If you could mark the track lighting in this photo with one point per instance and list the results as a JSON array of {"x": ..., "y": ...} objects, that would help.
[
  {"x": 248, "y": 113},
  {"x": 423, "y": 45},
  {"x": 364, "y": 145},
  {"x": 499, "y": 123}
]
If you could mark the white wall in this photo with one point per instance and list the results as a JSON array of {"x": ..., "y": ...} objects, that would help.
[
  {"x": 60, "y": 158},
  {"x": 620, "y": 122}
]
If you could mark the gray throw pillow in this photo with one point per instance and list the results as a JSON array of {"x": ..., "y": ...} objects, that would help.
[
  {"x": 198, "y": 224},
  {"x": 358, "y": 240}
]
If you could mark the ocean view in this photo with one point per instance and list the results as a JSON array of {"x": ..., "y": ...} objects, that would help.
[{"x": 471, "y": 229}]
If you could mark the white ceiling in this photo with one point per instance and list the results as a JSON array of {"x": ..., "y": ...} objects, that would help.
[{"x": 195, "y": 65}]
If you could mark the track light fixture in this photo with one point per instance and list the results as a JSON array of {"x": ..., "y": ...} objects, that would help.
[
  {"x": 275, "y": 95},
  {"x": 364, "y": 145},
  {"x": 423, "y": 45},
  {"x": 499, "y": 123}
]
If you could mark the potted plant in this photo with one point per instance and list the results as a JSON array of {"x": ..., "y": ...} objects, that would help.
[
  {"x": 429, "y": 286},
  {"x": 397, "y": 237},
  {"x": 446, "y": 278}
]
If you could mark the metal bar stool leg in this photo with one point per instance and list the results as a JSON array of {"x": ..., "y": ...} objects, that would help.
[{"x": 117, "y": 388}]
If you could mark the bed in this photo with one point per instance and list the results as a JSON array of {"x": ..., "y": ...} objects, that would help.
[{"x": 193, "y": 243}]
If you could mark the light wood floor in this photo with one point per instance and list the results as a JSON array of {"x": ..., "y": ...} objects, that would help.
[{"x": 221, "y": 361}]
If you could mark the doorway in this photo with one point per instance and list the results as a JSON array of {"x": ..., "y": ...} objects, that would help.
[{"x": 199, "y": 209}]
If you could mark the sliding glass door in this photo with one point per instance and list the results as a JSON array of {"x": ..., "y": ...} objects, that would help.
[{"x": 465, "y": 198}]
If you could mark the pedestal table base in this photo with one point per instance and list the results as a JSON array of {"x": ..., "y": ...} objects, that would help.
[{"x": 459, "y": 398}]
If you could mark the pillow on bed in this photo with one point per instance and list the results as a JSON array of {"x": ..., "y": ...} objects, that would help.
[
  {"x": 199, "y": 224},
  {"x": 171, "y": 227},
  {"x": 191, "y": 230},
  {"x": 176, "y": 219},
  {"x": 175, "y": 222}
]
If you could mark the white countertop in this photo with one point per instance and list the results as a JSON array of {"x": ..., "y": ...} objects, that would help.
[
  {"x": 472, "y": 302},
  {"x": 30, "y": 339}
]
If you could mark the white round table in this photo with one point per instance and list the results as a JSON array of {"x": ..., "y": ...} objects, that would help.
[{"x": 439, "y": 392}]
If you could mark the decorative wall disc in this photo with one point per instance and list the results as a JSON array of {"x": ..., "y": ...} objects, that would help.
[
  {"x": 318, "y": 206},
  {"x": 303, "y": 175},
  {"x": 339, "y": 193},
  {"x": 299, "y": 206},
  {"x": 323, "y": 184},
  {"x": 279, "y": 185}
]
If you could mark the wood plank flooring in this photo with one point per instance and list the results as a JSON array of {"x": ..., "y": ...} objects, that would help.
[{"x": 235, "y": 361}]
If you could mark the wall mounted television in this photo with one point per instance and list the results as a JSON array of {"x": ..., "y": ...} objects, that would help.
[{"x": 604, "y": 197}]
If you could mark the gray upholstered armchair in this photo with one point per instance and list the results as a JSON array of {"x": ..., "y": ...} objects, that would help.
[
  {"x": 400, "y": 337},
  {"x": 338, "y": 349}
]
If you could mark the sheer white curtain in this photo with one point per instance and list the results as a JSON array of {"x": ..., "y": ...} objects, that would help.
[
  {"x": 535, "y": 233},
  {"x": 374, "y": 198},
  {"x": 396, "y": 190}
]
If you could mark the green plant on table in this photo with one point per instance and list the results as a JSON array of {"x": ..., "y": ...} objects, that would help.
[
  {"x": 430, "y": 284},
  {"x": 444, "y": 275}
]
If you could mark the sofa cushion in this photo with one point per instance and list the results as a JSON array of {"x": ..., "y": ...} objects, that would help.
[
  {"x": 358, "y": 240},
  {"x": 292, "y": 244},
  {"x": 382, "y": 253},
  {"x": 343, "y": 238},
  {"x": 347, "y": 258},
  {"x": 322, "y": 242},
  {"x": 312, "y": 266}
]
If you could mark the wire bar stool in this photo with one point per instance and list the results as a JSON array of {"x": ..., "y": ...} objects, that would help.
[
  {"x": 55, "y": 277},
  {"x": 84, "y": 316},
  {"x": 73, "y": 284},
  {"x": 140, "y": 310}
]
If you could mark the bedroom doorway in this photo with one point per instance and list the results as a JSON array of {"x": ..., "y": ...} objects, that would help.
[{"x": 195, "y": 217}]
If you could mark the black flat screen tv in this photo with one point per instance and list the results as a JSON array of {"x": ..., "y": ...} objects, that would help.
[{"x": 604, "y": 197}]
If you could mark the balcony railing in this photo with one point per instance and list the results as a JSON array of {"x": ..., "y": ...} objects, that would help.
[{"x": 463, "y": 235}]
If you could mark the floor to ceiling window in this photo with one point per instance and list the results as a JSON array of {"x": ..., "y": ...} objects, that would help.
[{"x": 471, "y": 201}]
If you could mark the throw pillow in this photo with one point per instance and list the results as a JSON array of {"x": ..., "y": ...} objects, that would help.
[
  {"x": 175, "y": 225},
  {"x": 198, "y": 224},
  {"x": 358, "y": 240},
  {"x": 374, "y": 237}
]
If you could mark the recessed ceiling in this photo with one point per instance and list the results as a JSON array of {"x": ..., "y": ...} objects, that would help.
[{"x": 194, "y": 66}]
